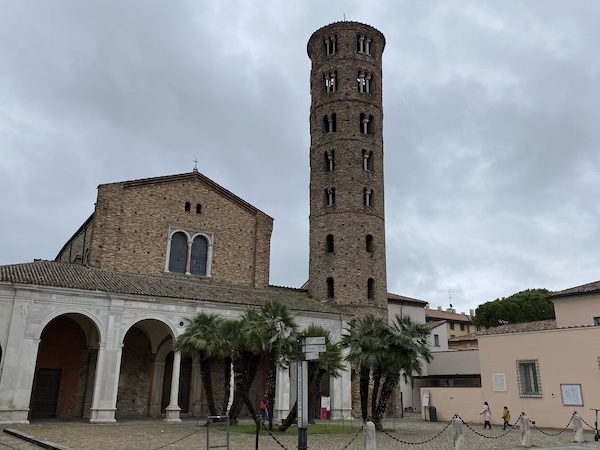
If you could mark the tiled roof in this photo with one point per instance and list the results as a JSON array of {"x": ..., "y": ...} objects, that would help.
[
  {"x": 75, "y": 276},
  {"x": 540, "y": 325},
  {"x": 445, "y": 315},
  {"x": 465, "y": 337},
  {"x": 393, "y": 298},
  {"x": 590, "y": 288},
  {"x": 432, "y": 325}
]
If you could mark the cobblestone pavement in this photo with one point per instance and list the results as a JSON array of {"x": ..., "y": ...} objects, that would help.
[{"x": 409, "y": 433}]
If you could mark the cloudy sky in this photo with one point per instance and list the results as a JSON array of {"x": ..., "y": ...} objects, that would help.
[{"x": 492, "y": 127}]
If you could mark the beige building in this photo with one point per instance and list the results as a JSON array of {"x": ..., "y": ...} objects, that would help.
[
  {"x": 547, "y": 369},
  {"x": 457, "y": 324}
]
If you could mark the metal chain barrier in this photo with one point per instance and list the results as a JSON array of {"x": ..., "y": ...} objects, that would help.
[
  {"x": 352, "y": 440},
  {"x": 275, "y": 439},
  {"x": 583, "y": 420},
  {"x": 485, "y": 435},
  {"x": 418, "y": 443},
  {"x": 176, "y": 441},
  {"x": 553, "y": 434}
]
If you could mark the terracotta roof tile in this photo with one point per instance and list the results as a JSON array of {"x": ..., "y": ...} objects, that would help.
[
  {"x": 589, "y": 288},
  {"x": 74, "y": 276},
  {"x": 403, "y": 299},
  {"x": 445, "y": 315},
  {"x": 539, "y": 325},
  {"x": 434, "y": 324}
]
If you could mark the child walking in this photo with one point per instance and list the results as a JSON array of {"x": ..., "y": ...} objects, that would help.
[
  {"x": 487, "y": 416},
  {"x": 506, "y": 417}
]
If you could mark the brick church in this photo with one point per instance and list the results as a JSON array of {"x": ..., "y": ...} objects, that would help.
[{"x": 90, "y": 334}]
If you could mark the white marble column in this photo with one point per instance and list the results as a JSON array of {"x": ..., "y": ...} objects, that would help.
[
  {"x": 158, "y": 375},
  {"x": 173, "y": 410},
  {"x": 341, "y": 395},
  {"x": 18, "y": 371},
  {"x": 283, "y": 402}
]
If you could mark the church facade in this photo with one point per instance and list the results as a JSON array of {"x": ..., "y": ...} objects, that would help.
[{"x": 90, "y": 334}]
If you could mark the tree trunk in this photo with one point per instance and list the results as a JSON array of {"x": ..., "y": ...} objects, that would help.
[
  {"x": 375, "y": 392},
  {"x": 226, "y": 384},
  {"x": 290, "y": 419},
  {"x": 391, "y": 380},
  {"x": 365, "y": 373},
  {"x": 245, "y": 366},
  {"x": 271, "y": 380},
  {"x": 206, "y": 377},
  {"x": 314, "y": 392}
]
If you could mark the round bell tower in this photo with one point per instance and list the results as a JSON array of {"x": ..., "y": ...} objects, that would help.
[{"x": 347, "y": 262}]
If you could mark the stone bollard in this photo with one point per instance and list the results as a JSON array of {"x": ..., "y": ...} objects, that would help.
[
  {"x": 370, "y": 438},
  {"x": 577, "y": 427},
  {"x": 525, "y": 430},
  {"x": 459, "y": 437}
]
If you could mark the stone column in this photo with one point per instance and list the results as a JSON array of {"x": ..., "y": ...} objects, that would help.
[
  {"x": 173, "y": 410},
  {"x": 158, "y": 376},
  {"x": 459, "y": 437},
  {"x": 106, "y": 387},
  {"x": 525, "y": 428},
  {"x": 18, "y": 371},
  {"x": 577, "y": 427},
  {"x": 370, "y": 436},
  {"x": 282, "y": 394},
  {"x": 341, "y": 395}
]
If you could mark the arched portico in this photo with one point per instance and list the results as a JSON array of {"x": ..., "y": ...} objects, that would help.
[{"x": 65, "y": 369}]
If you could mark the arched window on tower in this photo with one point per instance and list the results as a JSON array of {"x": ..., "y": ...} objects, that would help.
[
  {"x": 330, "y": 81},
  {"x": 329, "y": 123},
  {"x": 371, "y": 289},
  {"x": 198, "y": 256},
  {"x": 366, "y": 124},
  {"x": 178, "y": 253},
  {"x": 363, "y": 45},
  {"x": 364, "y": 82},
  {"x": 367, "y": 160},
  {"x": 331, "y": 45},
  {"x": 369, "y": 243},
  {"x": 187, "y": 206},
  {"x": 329, "y": 196},
  {"x": 198, "y": 208},
  {"x": 330, "y": 290},
  {"x": 329, "y": 161},
  {"x": 368, "y": 197},
  {"x": 329, "y": 241}
]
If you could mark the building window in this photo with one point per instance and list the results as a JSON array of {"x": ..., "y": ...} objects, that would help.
[
  {"x": 528, "y": 376},
  {"x": 198, "y": 256},
  {"x": 462, "y": 327},
  {"x": 329, "y": 123},
  {"x": 330, "y": 82},
  {"x": 368, "y": 197},
  {"x": 187, "y": 206},
  {"x": 367, "y": 160},
  {"x": 329, "y": 161},
  {"x": 364, "y": 82},
  {"x": 369, "y": 242},
  {"x": 178, "y": 253},
  {"x": 330, "y": 291},
  {"x": 330, "y": 196},
  {"x": 596, "y": 320},
  {"x": 331, "y": 46},
  {"x": 436, "y": 340},
  {"x": 329, "y": 241},
  {"x": 189, "y": 253},
  {"x": 198, "y": 208},
  {"x": 451, "y": 326},
  {"x": 366, "y": 124},
  {"x": 363, "y": 45},
  {"x": 371, "y": 289}
]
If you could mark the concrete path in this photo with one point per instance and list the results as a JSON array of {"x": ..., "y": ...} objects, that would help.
[{"x": 409, "y": 433}]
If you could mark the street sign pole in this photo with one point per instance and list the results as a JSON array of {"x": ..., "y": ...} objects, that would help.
[{"x": 302, "y": 388}]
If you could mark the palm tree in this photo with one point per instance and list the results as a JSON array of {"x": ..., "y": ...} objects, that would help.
[
  {"x": 330, "y": 363},
  {"x": 368, "y": 342},
  {"x": 408, "y": 348},
  {"x": 203, "y": 338},
  {"x": 271, "y": 331}
]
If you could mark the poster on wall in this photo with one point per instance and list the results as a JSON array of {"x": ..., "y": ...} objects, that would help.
[
  {"x": 571, "y": 394},
  {"x": 499, "y": 382}
]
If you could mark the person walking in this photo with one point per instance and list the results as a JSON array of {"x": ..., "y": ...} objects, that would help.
[
  {"x": 487, "y": 416},
  {"x": 264, "y": 410},
  {"x": 506, "y": 417}
]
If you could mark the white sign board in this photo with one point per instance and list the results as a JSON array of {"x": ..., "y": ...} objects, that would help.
[
  {"x": 315, "y": 340},
  {"x": 311, "y": 356},
  {"x": 425, "y": 398},
  {"x": 310, "y": 348},
  {"x": 326, "y": 403},
  {"x": 499, "y": 382}
]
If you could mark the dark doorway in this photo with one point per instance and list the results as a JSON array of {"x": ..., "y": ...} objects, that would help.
[
  {"x": 45, "y": 393},
  {"x": 185, "y": 381}
]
